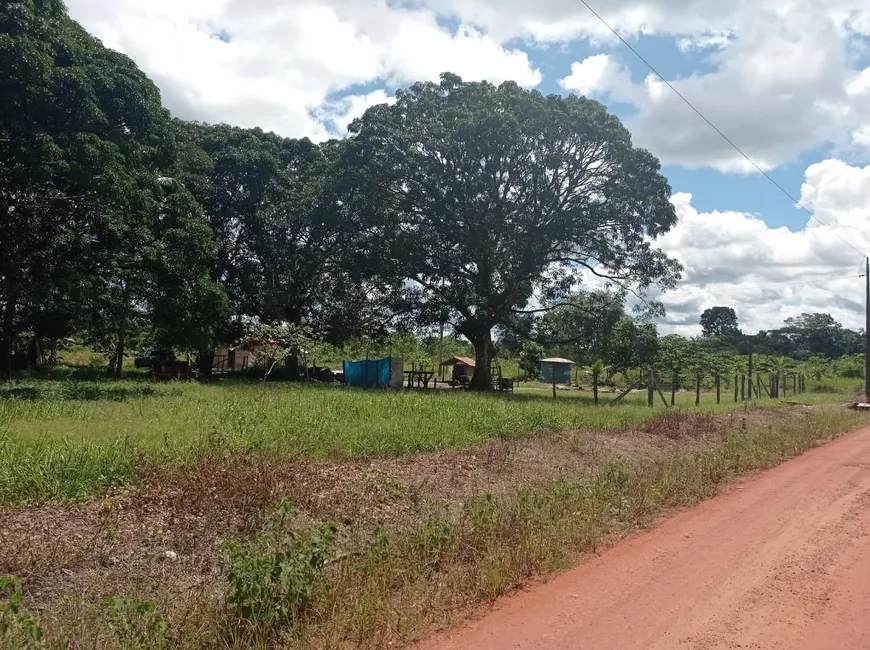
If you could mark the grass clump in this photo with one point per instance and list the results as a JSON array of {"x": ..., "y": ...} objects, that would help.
[
  {"x": 18, "y": 629},
  {"x": 137, "y": 625}
]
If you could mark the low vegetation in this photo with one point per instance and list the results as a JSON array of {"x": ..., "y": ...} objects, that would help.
[
  {"x": 65, "y": 439},
  {"x": 244, "y": 515}
]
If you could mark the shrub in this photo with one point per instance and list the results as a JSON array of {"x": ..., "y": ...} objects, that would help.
[
  {"x": 136, "y": 624},
  {"x": 17, "y": 628},
  {"x": 275, "y": 575}
]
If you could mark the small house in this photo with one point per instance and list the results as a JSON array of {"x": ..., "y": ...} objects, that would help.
[
  {"x": 228, "y": 359},
  {"x": 463, "y": 370},
  {"x": 556, "y": 370}
]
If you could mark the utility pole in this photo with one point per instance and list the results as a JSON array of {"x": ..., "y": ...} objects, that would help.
[{"x": 867, "y": 331}]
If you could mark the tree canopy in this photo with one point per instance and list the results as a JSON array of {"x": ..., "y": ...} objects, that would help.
[
  {"x": 719, "y": 321},
  {"x": 481, "y": 197},
  {"x": 83, "y": 137},
  {"x": 466, "y": 205}
]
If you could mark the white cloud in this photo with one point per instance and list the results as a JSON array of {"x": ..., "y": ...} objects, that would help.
[
  {"x": 782, "y": 85},
  {"x": 275, "y": 64},
  {"x": 601, "y": 74},
  {"x": 339, "y": 114},
  {"x": 735, "y": 259}
]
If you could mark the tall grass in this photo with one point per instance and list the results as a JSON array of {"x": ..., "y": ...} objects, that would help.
[
  {"x": 398, "y": 584},
  {"x": 70, "y": 439}
]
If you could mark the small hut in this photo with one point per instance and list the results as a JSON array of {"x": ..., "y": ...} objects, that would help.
[
  {"x": 556, "y": 370},
  {"x": 463, "y": 370}
]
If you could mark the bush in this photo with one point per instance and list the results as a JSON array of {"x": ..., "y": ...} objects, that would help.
[
  {"x": 17, "y": 628},
  {"x": 275, "y": 575},
  {"x": 137, "y": 624}
]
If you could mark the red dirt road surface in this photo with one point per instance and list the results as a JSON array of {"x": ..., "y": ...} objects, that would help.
[{"x": 780, "y": 561}]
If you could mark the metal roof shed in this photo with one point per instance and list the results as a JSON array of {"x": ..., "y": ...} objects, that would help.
[{"x": 556, "y": 368}]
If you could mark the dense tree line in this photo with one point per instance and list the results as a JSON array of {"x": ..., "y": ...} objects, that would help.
[
  {"x": 460, "y": 205},
  {"x": 594, "y": 326}
]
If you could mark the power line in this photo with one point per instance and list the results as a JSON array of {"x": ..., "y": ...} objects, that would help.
[
  {"x": 797, "y": 284},
  {"x": 716, "y": 129}
]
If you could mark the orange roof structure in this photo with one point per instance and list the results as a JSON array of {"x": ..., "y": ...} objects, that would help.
[{"x": 452, "y": 361}]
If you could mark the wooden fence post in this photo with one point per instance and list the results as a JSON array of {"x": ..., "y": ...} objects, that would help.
[
  {"x": 735, "y": 388},
  {"x": 697, "y": 389},
  {"x": 650, "y": 389},
  {"x": 750, "y": 375},
  {"x": 743, "y": 387},
  {"x": 718, "y": 389},
  {"x": 554, "y": 383},
  {"x": 676, "y": 379},
  {"x": 760, "y": 384},
  {"x": 595, "y": 387},
  {"x": 659, "y": 391},
  {"x": 794, "y": 384}
]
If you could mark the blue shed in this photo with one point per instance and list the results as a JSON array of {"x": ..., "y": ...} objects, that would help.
[{"x": 557, "y": 368}]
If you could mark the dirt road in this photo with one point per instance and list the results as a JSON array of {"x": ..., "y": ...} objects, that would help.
[{"x": 780, "y": 561}]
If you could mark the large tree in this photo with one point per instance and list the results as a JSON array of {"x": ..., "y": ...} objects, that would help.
[
  {"x": 482, "y": 197},
  {"x": 719, "y": 321},
  {"x": 281, "y": 251},
  {"x": 82, "y": 139},
  {"x": 580, "y": 328}
]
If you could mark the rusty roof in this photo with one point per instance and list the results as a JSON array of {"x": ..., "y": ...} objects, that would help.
[{"x": 453, "y": 360}]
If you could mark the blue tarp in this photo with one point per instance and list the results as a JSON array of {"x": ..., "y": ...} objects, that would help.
[{"x": 367, "y": 373}]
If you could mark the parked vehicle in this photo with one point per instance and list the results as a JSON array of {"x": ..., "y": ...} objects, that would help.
[{"x": 148, "y": 360}]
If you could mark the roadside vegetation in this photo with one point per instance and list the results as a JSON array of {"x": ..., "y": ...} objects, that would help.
[{"x": 245, "y": 515}]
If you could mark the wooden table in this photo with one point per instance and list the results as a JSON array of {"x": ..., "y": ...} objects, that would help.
[{"x": 419, "y": 377}]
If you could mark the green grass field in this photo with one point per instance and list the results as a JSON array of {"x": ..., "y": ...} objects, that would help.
[{"x": 70, "y": 438}]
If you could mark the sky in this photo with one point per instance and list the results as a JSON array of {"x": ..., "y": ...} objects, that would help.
[{"x": 788, "y": 81}]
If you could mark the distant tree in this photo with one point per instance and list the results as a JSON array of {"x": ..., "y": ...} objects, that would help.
[
  {"x": 633, "y": 344},
  {"x": 530, "y": 359},
  {"x": 816, "y": 334},
  {"x": 673, "y": 356},
  {"x": 581, "y": 325},
  {"x": 479, "y": 197},
  {"x": 282, "y": 251},
  {"x": 719, "y": 321}
]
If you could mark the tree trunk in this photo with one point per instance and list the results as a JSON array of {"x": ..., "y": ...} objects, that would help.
[
  {"x": 122, "y": 335},
  {"x": 482, "y": 378},
  {"x": 8, "y": 337},
  {"x": 292, "y": 363},
  {"x": 205, "y": 361}
]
